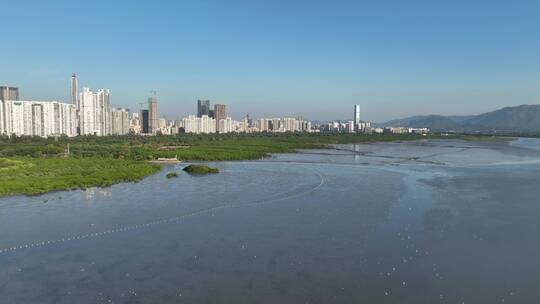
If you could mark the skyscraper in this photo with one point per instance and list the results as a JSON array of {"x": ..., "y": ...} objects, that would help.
[
  {"x": 74, "y": 89},
  {"x": 203, "y": 107},
  {"x": 356, "y": 115},
  {"x": 152, "y": 115},
  {"x": 219, "y": 113},
  {"x": 9, "y": 93},
  {"x": 119, "y": 121},
  {"x": 94, "y": 112},
  {"x": 145, "y": 122},
  {"x": 87, "y": 112},
  {"x": 103, "y": 113}
]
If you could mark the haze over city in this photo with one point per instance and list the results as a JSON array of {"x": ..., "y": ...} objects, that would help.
[{"x": 308, "y": 59}]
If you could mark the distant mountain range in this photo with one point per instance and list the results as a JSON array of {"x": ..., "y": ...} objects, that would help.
[{"x": 524, "y": 118}]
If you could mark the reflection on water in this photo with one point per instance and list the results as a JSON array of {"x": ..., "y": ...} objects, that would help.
[
  {"x": 422, "y": 222},
  {"x": 529, "y": 143}
]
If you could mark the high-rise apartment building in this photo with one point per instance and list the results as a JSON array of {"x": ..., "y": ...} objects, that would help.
[
  {"x": 286, "y": 124},
  {"x": 74, "y": 89},
  {"x": 204, "y": 124},
  {"x": 119, "y": 121},
  {"x": 103, "y": 112},
  {"x": 226, "y": 125},
  {"x": 152, "y": 115},
  {"x": 9, "y": 93},
  {"x": 219, "y": 114},
  {"x": 87, "y": 112},
  {"x": 2, "y": 118},
  {"x": 37, "y": 118},
  {"x": 263, "y": 124},
  {"x": 203, "y": 108},
  {"x": 94, "y": 112}
]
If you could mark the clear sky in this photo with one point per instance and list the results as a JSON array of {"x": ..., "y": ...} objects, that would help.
[{"x": 275, "y": 58}]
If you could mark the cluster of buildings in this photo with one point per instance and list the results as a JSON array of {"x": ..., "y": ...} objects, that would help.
[
  {"x": 215, "y": 120},
  {"x": 286, "y": 124},
  {"x": 35, "y": 118},
  {"x": 404, "y": 130},
  {"x": 90, "y": 113},
  {"x": 95, "y": 116},
  {"x": 212, "y": 119},
  {"x": 351, "y": 126},
  {"x": 358, "y": 126},
  {"x": 146, "y": 121}
]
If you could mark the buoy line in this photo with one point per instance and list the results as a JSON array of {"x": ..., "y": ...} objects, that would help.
[{"x": 77, "y": 237}]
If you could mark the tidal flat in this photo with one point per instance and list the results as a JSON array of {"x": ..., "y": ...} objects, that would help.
[{"x": 427, "y": 221}]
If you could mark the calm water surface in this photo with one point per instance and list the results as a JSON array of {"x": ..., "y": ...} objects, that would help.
[{"x": 420, "y": 222}]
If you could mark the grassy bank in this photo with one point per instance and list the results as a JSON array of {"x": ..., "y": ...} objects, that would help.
[
  {"x": 33, "y": 176},
  {"x": 38, "y": 165}
]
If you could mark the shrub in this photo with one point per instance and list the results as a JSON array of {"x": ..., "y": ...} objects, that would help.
[
  {"x": 172, "y": 175},
  {"x": 200, "y": 169}
]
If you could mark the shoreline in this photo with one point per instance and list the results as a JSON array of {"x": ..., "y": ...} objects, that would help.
[{"x": 37, "y": 176}]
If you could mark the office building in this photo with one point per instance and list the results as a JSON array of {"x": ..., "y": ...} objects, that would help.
[
  {"x": 9, "y": 93},
  {"x": 356, "y": 115},
  {"x": 74, "y": 89},
  {"x": 203, "y": 108},
  {"x": 145, "y": 123},
  {"x": 152, "y": 115},
  {"x": 219, "y": 114}
]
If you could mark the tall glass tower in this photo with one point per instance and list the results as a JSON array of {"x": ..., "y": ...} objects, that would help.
[
  {"x": 356, "y": 115},
  {"x": 74, "y": 89},
  {"x": 203, "y": 108}
]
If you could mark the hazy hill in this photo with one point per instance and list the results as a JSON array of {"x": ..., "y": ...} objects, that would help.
[{"x": 524, "y": 118}]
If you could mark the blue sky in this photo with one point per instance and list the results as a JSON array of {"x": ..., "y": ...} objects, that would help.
[{"x": 275, "y": 58}]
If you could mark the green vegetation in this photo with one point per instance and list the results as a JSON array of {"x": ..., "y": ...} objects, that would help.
[
  {"x": 211, "y": 147},
  {"x": 33, "y": 165},
  {"x": 171, "y": 175},
  {"x": 31, "y": 176},
  {"x": 200, "y": 169}
]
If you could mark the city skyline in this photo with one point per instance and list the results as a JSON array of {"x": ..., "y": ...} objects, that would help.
[
  {"x": 301, "y": 58},
  {"x": 92, "y": 113},
  {"x": 203, "y": 107}
]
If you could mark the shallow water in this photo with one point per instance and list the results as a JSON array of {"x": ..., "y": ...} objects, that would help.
[{"x": 417, "y": 222}]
